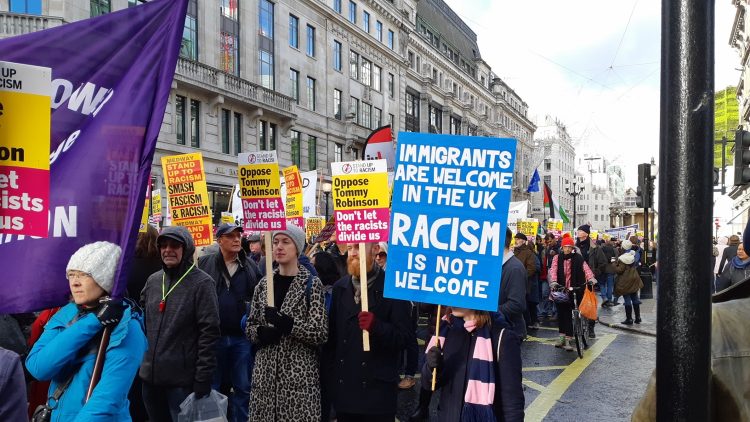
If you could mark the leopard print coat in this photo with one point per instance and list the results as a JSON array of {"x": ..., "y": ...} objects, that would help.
[{"x": 286, "y": 382}]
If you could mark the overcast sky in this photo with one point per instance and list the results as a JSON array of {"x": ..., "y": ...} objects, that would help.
[{"x": 593, "y": 64}]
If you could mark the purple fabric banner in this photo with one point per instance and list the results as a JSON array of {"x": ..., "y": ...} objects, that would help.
[{"x": 111, "y": 80}]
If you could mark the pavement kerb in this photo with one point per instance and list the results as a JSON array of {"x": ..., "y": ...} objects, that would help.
[{"x": 627, "y": 328}]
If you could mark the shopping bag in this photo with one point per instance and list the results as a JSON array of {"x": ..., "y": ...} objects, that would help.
[
  {"x": 588, "y": 305},
  {"x": 212, "y": 408}
]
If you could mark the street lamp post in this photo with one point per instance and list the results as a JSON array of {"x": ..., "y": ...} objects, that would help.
[
  {"x": 327, "y": 192},
  {"x": 574, "y": 189}
]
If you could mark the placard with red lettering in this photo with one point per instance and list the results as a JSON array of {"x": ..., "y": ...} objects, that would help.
[
  {"x": 260, "y": 190},
  {"x": 187, "y": 195},
  {"x": 361, "y": 201}
]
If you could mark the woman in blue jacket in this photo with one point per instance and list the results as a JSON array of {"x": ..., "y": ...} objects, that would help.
[
  {"x": 66, "y": 351},
  {"x": 478, "y": 366}
]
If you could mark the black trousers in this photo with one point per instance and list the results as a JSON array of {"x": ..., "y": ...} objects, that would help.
[
  {"x": 352, "y": 417},
  {"x": 565, "y": 315}
]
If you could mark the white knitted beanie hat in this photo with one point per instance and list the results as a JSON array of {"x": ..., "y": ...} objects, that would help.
[{"x": 98, "y": 259}]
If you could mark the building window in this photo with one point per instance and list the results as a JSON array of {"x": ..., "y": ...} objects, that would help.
[
  {"x": 294, "y": 80},
  {"x": 352, "y": 12},
  {"x": 355, "y": 153},
  {"x": 455, "y": 126},
  {"x": 272, "y": 136},
  {"x": 180, "y": 111},
  {"x": 391, "y": 84},
  {"x": 189, "y": 45},
  {"x": 355, "y": 109},
  {"x": 195, "y": 123},
  {"x": 366, "y": 21},
  {"x": 229, "y": 53},
  {"x": 237, "y": 133},
  {"x": 295, "y": 148},
  {"x": 265, "y": 52},
  {"x": 412, "y": 112},
  {"x": 293, "y": 31},
  {"x": 353, "y": 65},
  {"x": 337, "y": 104},
  {"x": 28, "y": 7},
  {"x": 392, "y": 120},
  {"x": 262, "y": 136},
  {"x": 310, "y": 41},
  {"x": 377, "y": 116},
  {"x": 229, "y": 9},
  {"x": 436, "y": 120},
  {"x": 379, "y": 31},
  {"x": 100, "y": 7},
  {"x": 366, "y": 115},
  {"x": 338, "y": 153},
  {"x": 547, "y": 164},
  {"x": 390, "y": 39},
  {"x": 473, "y": 130},
  {"x": 337, "y": 6},
  {"x": 226, "y": 121},
  {"x": 365, "y": 75},
  {"x": 376, "y": 77},
  {"x": 311, "y": 93},
  {"x": 312, "y": 152},
  {"x": 337, "y": 55}
]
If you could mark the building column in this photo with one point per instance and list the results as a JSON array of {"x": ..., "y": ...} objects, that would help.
[
  {"x": 424, "y": 112},
  {"x": 447, "y": 119}
]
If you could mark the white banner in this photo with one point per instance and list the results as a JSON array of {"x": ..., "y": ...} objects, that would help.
[{"x": 517, "y": 210}]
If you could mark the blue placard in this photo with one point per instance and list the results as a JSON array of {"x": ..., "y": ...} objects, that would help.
[{"x": 450, "y": 209}]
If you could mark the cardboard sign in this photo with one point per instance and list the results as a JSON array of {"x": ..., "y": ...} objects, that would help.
[
  {"x": 594, "y": 235},
  {"x": 260, "y": 190},
  {"x": 360, "y": 201},
  {"x": 529, "y": 227},
  {"x": 516, "y": 211},
  {"x": 313, "y": 226},
  {"x": 227, "y": 217},
  {"x": 144, "y": 218},
  {"x": 555, "y": 226},
  {"x": 451, "y": 197},
  {"x": 24, "y": 149},
  {"x": 187, "y": 195},
  {"x": 623, "y": 232},
  {"x": 293, "y": 205},
  {"x": 156, "y": 204}
]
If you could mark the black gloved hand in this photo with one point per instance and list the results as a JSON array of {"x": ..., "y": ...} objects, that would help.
[
  {"x": 201, "y": 389},
  {"x": 110, "y": 311},
  {"x": 268, "y": 336},
  {"x": 282, "y": 322},
  {"x": 434, "y": 358}
]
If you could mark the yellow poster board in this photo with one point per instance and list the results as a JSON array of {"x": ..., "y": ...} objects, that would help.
[{"x": 187, "y": 195}]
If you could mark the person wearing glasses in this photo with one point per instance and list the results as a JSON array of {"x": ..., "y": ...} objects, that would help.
[{"x": 66, "y": 351}]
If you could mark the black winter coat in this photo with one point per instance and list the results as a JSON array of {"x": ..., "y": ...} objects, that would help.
[
  {"x": 458, "y": 349},
  {"x": 726, "y": 257},
  {"x": 598, "y": 261},
  {"x": 234, "y": 301},
  {"x": 513, "y": 295},
  {"x": 181, "y": 340},
  {"x": 365, "y": 382}
]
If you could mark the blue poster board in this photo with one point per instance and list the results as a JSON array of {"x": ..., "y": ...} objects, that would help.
[{"x": 451, "y": 196}]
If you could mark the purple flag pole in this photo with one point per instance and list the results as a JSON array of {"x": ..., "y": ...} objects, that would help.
[{"x": 111, "y": 77}]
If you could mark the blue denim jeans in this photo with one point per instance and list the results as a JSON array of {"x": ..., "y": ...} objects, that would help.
[
  {"x": 607, "y": 287},
  {"x": 232, "y": 361},
  {"x": 631, "y": 299},
  {"x": 163, "y": 403}
]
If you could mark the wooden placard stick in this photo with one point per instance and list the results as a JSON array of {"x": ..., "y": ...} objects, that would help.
[
  {"x": 363, "y": 293},
  {"x": 437, "y": 341},
  {"x": 269, "y": 268}
]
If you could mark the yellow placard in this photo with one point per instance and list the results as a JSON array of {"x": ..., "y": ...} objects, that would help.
[
  {"x": 314, "y": 225},
  {"x": 293, "y": 182},
  {"x": 555, "y": 226},
  {"x": 156, "y": 204},
  {"x": 144, "y": 218},
  {"x": 227, "y": 217},
  {"x": 528, "y": 227},
  {"x": 361, "y": 191},
  {"x": 187, "y": 195},
  {"x": 594, "y": 235}
]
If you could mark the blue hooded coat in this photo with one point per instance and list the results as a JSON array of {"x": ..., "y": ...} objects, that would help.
[{"x": 68, "y": 345}]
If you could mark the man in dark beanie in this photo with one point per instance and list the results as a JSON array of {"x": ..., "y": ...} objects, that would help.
[{"x": 584, "y": 241}]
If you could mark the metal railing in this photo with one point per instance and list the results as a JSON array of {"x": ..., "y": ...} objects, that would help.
[
  {"x": 12, "y": 24},
  {"x": 215, "y": 78}
]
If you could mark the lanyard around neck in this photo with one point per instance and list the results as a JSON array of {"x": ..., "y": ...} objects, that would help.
[{"x": 164, "y": 295}]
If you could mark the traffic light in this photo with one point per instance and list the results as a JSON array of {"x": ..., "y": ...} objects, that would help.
[
  {"x": 741, "y": 157},
  {"x": 643, "y": 191}
]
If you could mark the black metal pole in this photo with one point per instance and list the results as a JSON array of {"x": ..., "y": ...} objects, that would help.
[
  {"x": 575, "y": 207},
  {"x": 327, "y": 194},
  {"x": 685, "y": 188}
]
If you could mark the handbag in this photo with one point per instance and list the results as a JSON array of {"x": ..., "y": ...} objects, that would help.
[
  {"x": 43, "y": 412},
  {"x": 212, "y": 408},
  {"x": 588, "y": 306}
]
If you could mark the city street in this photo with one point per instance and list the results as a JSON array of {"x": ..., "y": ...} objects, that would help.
[{"x": 605, "y": 385}]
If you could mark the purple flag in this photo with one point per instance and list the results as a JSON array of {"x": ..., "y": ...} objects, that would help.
[{"x": 111, "y": 80}]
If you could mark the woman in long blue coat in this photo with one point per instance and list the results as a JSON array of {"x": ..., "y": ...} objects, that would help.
[{"x": 66, "y": 351}]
